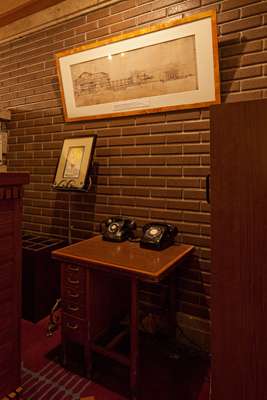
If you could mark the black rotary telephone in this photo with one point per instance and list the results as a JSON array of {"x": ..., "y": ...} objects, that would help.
[
  {"x": 118, "y": 229},
  {"x": 158, "y": 236}
]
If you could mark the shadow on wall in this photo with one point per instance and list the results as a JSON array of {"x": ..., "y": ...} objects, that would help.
[
  {"x": 230, "y": 59},
  {"x": 73, "y": 214},
  {"x": 193, "y": 303}
]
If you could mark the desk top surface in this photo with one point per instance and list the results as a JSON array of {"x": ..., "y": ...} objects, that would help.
[{"x": 126, "y": 257}]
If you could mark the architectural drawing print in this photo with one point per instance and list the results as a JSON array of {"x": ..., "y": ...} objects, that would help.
[{"x": 159, "y": 69}]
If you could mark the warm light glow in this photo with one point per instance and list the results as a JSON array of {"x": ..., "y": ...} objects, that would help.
[{"x": 110, "y": 57}]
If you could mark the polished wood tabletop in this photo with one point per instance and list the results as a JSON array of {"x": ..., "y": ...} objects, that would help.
[{"x": 127, "y": 257}]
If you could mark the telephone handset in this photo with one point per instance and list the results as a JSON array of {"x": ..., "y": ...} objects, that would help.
[
  {"x": 118, "y": 229},
  {"x": 158, "y": 235}
]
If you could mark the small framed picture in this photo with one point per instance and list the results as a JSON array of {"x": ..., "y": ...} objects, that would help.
[{"x": 74, "y": 164}]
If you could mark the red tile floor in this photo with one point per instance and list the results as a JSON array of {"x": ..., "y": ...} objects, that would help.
[{"x": 163, "y": 376}]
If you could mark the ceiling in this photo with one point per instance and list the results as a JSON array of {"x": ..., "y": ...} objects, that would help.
[
  {"x": 19, "y": 17},
  {"x": 13, "y": 10}
]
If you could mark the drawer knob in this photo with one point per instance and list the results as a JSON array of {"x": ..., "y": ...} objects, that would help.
[
  {"x": 73, "y": 281},
  {"x": 73, "y": 295},
  {"x": 72, "y": 326},
  {"x": 72, "y": 268},
  {"x": 73, "y": 308}
]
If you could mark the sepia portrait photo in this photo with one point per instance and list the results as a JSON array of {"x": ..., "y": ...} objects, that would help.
[{"x": 73, "y": 162}]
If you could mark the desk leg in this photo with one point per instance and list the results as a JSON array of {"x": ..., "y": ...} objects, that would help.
[
  {"x": 88, "y": 354},
  {"x": 134, "y": 339},
  {"x": 172, "y": 307},
  {"x": 64, "y": 351}
]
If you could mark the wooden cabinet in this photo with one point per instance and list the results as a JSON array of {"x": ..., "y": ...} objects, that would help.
[
  {"x": 10, "y": 278},
  {"x": 239, "y": 250}
]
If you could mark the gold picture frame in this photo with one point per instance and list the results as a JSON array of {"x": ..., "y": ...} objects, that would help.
[
  {"x": 74, "y": 163},
  {"x": 167, "y": 66}
]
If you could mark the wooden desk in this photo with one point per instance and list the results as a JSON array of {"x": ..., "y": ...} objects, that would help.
[{"x": 98, "y": 280}]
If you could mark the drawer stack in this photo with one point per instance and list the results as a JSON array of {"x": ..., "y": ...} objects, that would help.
[{"x": 73, "y": 280}]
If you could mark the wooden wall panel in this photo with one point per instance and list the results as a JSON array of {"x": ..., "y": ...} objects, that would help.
[{"x": 239, "y": 250}]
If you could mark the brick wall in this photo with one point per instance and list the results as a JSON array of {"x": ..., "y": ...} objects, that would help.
[{"x": 148, "y": 167}]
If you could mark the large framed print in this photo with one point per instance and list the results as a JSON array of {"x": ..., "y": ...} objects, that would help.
[{"x": 167, "y": 66}]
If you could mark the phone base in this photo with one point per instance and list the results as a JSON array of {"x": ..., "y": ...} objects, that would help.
[{"x": 156, "y": 246}]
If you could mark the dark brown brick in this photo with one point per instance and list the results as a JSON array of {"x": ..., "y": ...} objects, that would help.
[
  {"x": 109, "y": 20},
  {"x": 150, "y": 119},
  {"x": 97, "y": 33},
  {"x": 242, "y": 73},
  {"x": 183, "y": 182},
  {"x": 228, "y": 16},
  {"x": 196, "y": 125},
  {"x": 259, "y": 8},
  {"x": 166, "y": 171},
  {"x": 150, "y": 139},
  {"x": 241, "y": 48},
  {"x": 242, "y": 24},
  {"x": 123, "y": 26},
  {"x": 121, "y": 141},
  {"x": 166, "y": 215},
  {"x": 122, "y": 6},
  {"x": 172, "y": 127},
  {"x": 230, "y": 4},
  {"x": 97, "y": 14},
  {"x": 229, "y": 87},
  {"x": 170, "y": 149},
  {"x": 253, "y": 34},
  {"x": 182, "y": 115},
  {"x": 140, "y": 150},
  {"x": 152, "y": 16},
  {"x": 244, "y": 96},
  {"x": 256, "y": 58},
  {"x": 134, "y": 12},
  {"x": 183, "y": 138},
  {"x": 257, "y": 83}
]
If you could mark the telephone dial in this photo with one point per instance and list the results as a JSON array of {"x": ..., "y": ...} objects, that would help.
[
  {"x": 158, "y": 236},
  {"x": 118, "y": 229}
]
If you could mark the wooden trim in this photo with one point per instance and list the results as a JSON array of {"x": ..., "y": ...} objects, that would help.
[
  {"x": 5, "y": 114},
  {"x": 216, "y": 58},
  {"x": 30, "y": 7},
  {"x": 13, "y": 178}
]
